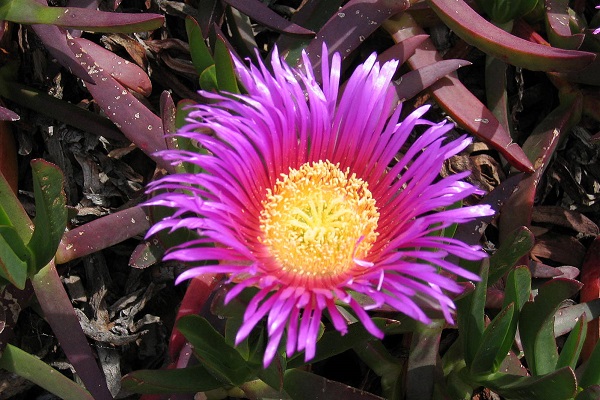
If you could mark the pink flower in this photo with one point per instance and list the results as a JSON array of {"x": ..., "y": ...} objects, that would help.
[
  {"x": 596, "y": 31},
  {"x": 303, "y": 195}
]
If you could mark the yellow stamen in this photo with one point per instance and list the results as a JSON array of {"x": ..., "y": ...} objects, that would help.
[{"x": 317, "y": 219}]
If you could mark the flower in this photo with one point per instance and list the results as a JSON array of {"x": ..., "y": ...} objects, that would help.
[
  {"x": 597, "y": 30},
  {"x": 303, "y": 197}
]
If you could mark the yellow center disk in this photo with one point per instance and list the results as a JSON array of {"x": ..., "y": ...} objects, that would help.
[{"x": 317, "y": 219}]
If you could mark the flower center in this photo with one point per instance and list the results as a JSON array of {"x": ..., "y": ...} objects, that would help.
[{"x": 317, "y": 220}]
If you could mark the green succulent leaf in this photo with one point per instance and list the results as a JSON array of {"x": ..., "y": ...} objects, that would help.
[
  {"x": 558, "y": 385},
  {"x": 470, "y": 316},
  {"x": 572, "y": 347},
  {"x": 13, "y": 264},
  {"x": 199, "y": 51},
  {"x": 185, "y": 380},
  {"x": 518, "y": 287},
  {"x": 226, "y": 77},
  {"x": 222, "y": 360},
  {"x": 37, "y": 371},
  {"x": 536, "y": 324},
  {"x": 496, "y": 341},
  {"x": 51, "y": 212},
  {"x": 12, "y": 212}
]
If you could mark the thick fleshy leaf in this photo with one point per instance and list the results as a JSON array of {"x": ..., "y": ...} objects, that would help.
[
  {"x": 470, "y": 316},
  {"x": 475, "y": 30},
  {"x": 30, "y": 12},
  {"x": 350, "y": 26},
  {"x": 536, "y": 324},
  {"x": 8, "y": 115},
  {"x": 13, "y": 266},
  {"x": 262, "y": 14},
  {"x": 226, "y": 77},
  {"x": 223, "y": 361},
  {"x": 100, "y": 233},
  {"x": 302, "y": 385},
  {"x": 37, "y": 371},
  {"x": 136, "y": 121},
  {"x": 422, "y": 368},
  {"x": 569, "y": 355},
  {"x": 455, "y": 98},
  {"x": 201, "y": 56},
  {"x": 125, "y": 72},
  {"x": 590, "y": 277},
  {"x": 495, "y": 343},
  {"x": 185, "y": 380},
  {"x": 50, "y": 212},
  {"x": 413, "y": 82},
  {"x": 311, "y": 15},
  {"x": 557, "y": 385},
  {"x": 566, "y": 318},
  {"x": 12, "y": 212},
  {"x": 58, "y": 311},
  {"x": 558, "y": 27},
  {"x": 518, "y": 287},
  {"x": 517, "y": 244}
]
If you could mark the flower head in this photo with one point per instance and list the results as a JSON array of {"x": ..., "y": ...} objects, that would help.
[{"x": 304, "y": 197}]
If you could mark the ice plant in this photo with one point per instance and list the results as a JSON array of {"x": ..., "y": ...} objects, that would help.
[{"x": 303, "y": 196}]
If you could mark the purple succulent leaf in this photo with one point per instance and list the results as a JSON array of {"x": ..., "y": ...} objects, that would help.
[
  {"x": 102, "y": 233},
  {"x": 168, "y": 112},
  {"x": 456, "y": 99},
  {"x": 539, "y": 147},
  {"x": 557, "y": 25},
  {"x": 55, "y": 40},
  {"x": 30, "y": 12},
  {"x": 136, "y": 121},
  {"x": 259, "y": 12},
  {"x": 589, "y": 76},
  {"x": 403, "y": 50},
  {"x": 125, "y": 72},
  {"x": 59, "y": 313},
  {"x": 475, "y": 30},
  {"x": 8, "y": 115},
  {"x": 413, "y": 82},
  {"x": 349, "y": 27}
]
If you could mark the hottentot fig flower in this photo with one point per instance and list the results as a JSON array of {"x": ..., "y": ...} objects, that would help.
[{"x": 303, "y": 194}]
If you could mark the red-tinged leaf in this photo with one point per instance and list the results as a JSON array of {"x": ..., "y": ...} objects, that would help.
[
  {"x": 262, "y": 14},
  {"x": 588, "y": 75},
  {"x": 125, "y": 72},
  {"x": 55, "y": 41},
  {"x": 8, "y": 115},
  {"x": 196, "y": 295},
  {"x": 558, "y": 27},
  {"x": 402, "y": 51},
  {"x": 590, "y": 277},
  {"x": 136, "y": 121},
  {"x": 346, "y": 29},
  {"x": 29, "y": 12},
  {"x": 566, "y": 318},
  {"x": 456, "y": 99},
  {"x": 59, "y": 313},
  {"x": 475, "y": 30},
  {"x": 413, "y": 82},
  {"x": 102, "y": 233},
  {"x": 539, "y": 146}
]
